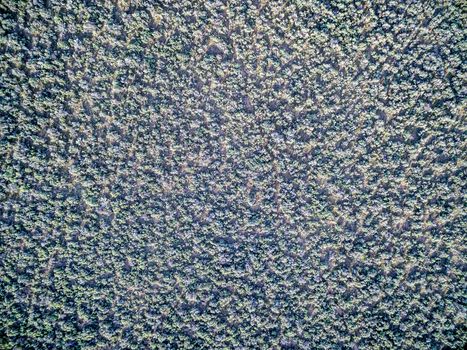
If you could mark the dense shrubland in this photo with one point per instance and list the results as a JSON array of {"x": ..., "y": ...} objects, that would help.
[{"x": 232, "y": 174}]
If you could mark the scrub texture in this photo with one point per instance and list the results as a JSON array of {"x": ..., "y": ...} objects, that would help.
[{"x": 233, "y": 174}]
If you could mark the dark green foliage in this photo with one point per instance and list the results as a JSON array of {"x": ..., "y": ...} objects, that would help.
[{"x": 232, "y": 175}]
